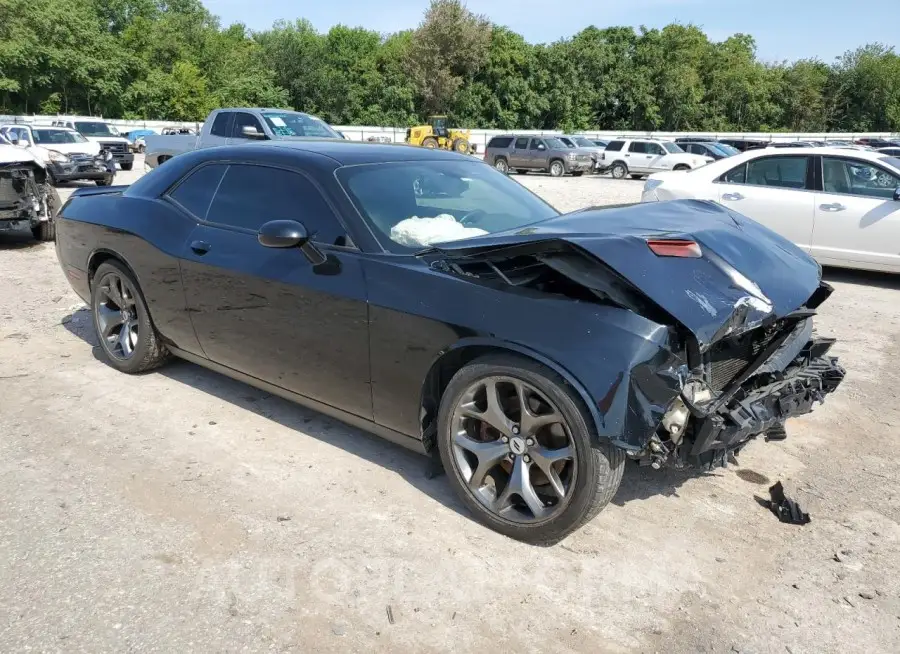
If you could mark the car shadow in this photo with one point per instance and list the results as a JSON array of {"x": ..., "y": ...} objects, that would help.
[
  {"x": 643, "y": 482},
  {"x": 18, "y": 239},
  {"x": 890, "y": 281},
  {"x": 413, "y": 468}
]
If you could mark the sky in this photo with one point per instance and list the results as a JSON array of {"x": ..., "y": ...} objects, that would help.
[{"x": 783, "y": 29}]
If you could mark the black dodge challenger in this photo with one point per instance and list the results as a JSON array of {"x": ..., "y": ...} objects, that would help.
[{"x": 423, "y": 296}]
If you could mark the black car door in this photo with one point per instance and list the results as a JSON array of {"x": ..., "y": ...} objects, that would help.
[{"x": 268, "y": 312}]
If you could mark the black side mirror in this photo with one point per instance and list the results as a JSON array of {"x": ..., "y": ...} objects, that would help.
[
  {"x": 289, "y": 234},
  {"x": 282, "y": 234},
  {"x": 897, "y": 194}
]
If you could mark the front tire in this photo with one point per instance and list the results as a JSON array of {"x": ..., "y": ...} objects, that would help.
[
  {"x": 106, "y": 181},
  {"x": 557, "y": 169},
  {"x": 521, "y": 451},
  {"x": 619, "y": 170},
  {"x": 430, "y": 142},
  {"x": 127, "y": 166},
  {"x": 45, "y": 230},
  {"x": 128, "y": 340}
]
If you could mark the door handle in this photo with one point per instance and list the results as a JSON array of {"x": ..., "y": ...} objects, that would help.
[
  {"x": 627, "y": 155},
  {"x": 835, "y": 206},
  {"x": 200, "y": 247},
  {"x": 732, "y": 196}
]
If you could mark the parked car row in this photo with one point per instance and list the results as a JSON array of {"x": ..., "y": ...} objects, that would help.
[{"x": 65, "y": 154}]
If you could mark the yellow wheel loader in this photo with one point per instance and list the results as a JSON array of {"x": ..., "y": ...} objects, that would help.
[{"x": 437, "y": 136}]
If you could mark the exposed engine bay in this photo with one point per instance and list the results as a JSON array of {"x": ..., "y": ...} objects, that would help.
[{"x": 23, "y": 196}]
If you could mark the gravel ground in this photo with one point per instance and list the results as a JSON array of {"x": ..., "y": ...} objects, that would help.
[{"x": 180, "y": 511}]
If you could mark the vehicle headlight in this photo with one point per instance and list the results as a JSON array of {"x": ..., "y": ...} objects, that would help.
[
  {"x": 106, "y": 154},
  {"x": 572, "y": 156},
  {"x": 651, "y": 184},
  {"x": 58, "y": 157}
]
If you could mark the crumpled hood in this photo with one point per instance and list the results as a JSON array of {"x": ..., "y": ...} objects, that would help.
[
  {"x": 747, "y": 274},
  {"x": 14, "y": 154}
]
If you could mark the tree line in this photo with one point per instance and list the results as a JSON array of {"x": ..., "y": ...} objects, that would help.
[{"x": 173, "y": 60}]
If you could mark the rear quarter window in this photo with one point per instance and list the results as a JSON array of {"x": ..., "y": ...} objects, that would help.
[
  {"x": 500, "y": 142},
  {"x": 615, "y": 146},
  {"x": 195, "y": 192}
]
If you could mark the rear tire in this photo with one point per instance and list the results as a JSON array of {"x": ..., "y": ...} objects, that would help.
[
  {"x": 114, "y": 290},
  {"x": 127, "y": 166},
  {"x": 592, "y": 468},
  {"x": 619, "y": 170},
  {"x": 430, "y": 142},
  {"x": 461, "y": 146},
  {"x": 501, "y": 165},
  {"x": 106, "y": 181}
]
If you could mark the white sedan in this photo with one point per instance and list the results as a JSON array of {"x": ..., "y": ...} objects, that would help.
[{"x": 841, "y": 206}]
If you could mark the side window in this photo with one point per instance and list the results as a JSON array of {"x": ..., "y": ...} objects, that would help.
[
  {"x": 522, "y": 143},
  {"x": 220, "y": 124},
  {"x": 778, "y": 172},
  {"x": 242, "y": 120},
  {"x": 500, "y": 142},
  {"x": 638, "y": 146},
  {"x": 535, "y": 143},
  {"x": 736, "y": 175},
  {"x": 249, "y": 196},
  {"x": 195, "y": 192},
  {"x": 855, "y": 177},
  {"x": 693, "y": 148},
  {"x": 655, "y": 148},
  {"x": 614, "y": 146}
]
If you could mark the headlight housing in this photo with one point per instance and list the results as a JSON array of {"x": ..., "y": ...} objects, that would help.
[
  {"x": 106, "y": 154},
  {"x": 58, "y": 157},
  {"x": 572, "y": 156}
]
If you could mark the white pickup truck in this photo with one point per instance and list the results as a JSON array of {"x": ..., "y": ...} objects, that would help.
[{"x": 233, "y": 126}]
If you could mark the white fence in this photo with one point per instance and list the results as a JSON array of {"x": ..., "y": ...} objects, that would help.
[{"x": 480, "y": 137}]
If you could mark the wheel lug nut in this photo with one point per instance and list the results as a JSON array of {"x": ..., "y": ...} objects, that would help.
[
  {"x": 504, "y": 439},
  {"x": 529, "y": 442},
  {"x": 515, "y": 429},
  {"x": 527, "y": 459}
]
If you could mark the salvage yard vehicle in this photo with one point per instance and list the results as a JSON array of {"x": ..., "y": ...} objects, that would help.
[
  {"x": 103, "y": 133},
  {"x": 236, "y": 126},
  {"x": 842, "y": 206},
  {"x": 641, "y": 157},
  {"x": 136, "y": 139},
  {"x": 67, "y": 156},
  {"x": 510, "y": 152},
  {"x": 27, "y": 199},
  {"x": 465, "y": 318},
  {"x": 708, "y": 149},
  {"x": 437, "y": 135}
]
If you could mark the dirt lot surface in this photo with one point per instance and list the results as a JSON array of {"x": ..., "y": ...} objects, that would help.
[{"x": 180, "y": 511}]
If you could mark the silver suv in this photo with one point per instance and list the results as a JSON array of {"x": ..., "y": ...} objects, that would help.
[
  {"x": 521, "y": 154},
  {"x": 642, "y": 157}
]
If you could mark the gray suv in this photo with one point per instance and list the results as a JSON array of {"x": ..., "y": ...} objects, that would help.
[{"x": 509, "y": 152}]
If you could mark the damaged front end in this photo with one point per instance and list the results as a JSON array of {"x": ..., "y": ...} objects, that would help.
[
  {"x": 22, "y": 202},
  {"x": 726, "y": 350},
  {"x": 744, "y": 387}
]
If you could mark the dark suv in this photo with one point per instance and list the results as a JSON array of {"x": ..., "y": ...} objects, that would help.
[{"x": 509, "y": 152}]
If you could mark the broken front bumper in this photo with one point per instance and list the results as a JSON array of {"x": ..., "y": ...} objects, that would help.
[{"x": 762, "y": 404}]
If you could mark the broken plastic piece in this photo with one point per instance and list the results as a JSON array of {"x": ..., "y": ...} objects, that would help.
[{"x": 784, "y": 508}]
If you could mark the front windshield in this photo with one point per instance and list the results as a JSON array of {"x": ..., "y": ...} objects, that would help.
[
  {"x": 57, "y": 136},
  {"x": 94, "y": 129},
  {"x": 672, "y": 147},
  {"x": 411, "y": 205},
  {"x": 292, "y": 123},
  {"x": 557, "y": 144},
  {"x": 566, "y": 142},
  {"x": 584, "y": 143}
]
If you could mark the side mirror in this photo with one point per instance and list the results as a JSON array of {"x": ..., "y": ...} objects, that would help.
[
  {"x": 250, "y": 132},
  {"x": 541, "y": 146},
  {"x": 14, "y": 141},
  {"x": 282, "y": 234},
  {"x": 289, "y": 234},
  {"x": 897, "y": 194}
]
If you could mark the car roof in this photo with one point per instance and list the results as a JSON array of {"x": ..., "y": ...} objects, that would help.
[{"x": 348, "y": 153}]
